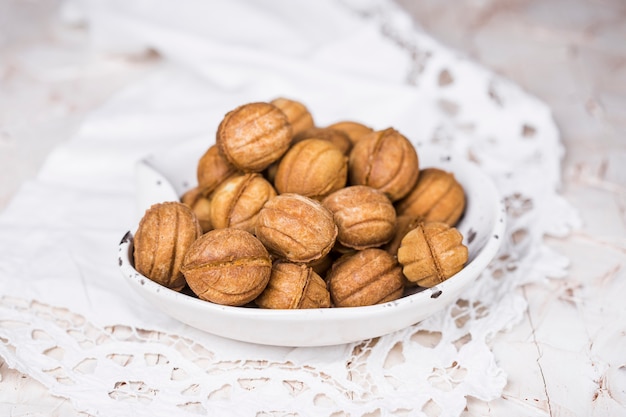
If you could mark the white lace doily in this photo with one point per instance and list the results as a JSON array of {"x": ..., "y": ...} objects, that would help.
[{"x": 68, "y": 320}]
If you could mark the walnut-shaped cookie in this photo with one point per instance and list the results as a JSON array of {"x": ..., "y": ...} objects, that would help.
[
  {"x": 385, "y": 160},
  {"x": 365, "y": 217},
  {"x": 296, "y": 228},
  {"x": 297, "y": 113},
  {"x": 294, "y": 286},
  {"x": 367, "y": 277},
  {"x": 227, "y": 266},
  {"x": 431, "y": 253},
  {"x": 237, "y": 201},
  {"x": 212, "y": 170},
  {"x": 313, "y": 168},
  {"x": 437, "y": 197},
  {"x": 165, "y": 233},
  {"x": 254, "y": 135}
]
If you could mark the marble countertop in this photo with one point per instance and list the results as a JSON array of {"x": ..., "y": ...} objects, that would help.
[{"x": 566, "y": 358}]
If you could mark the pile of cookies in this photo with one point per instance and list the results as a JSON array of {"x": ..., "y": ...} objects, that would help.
[{"x": 287, "y": 214}]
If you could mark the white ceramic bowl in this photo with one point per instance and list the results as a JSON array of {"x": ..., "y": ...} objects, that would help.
[{"x": 165, "y": 177}]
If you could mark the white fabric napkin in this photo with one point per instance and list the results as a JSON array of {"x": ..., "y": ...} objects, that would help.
[{"x": 68, "y": 318}]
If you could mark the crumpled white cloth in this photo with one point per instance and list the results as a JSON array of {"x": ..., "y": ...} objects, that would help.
[{"x": 67, "y": 317}]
